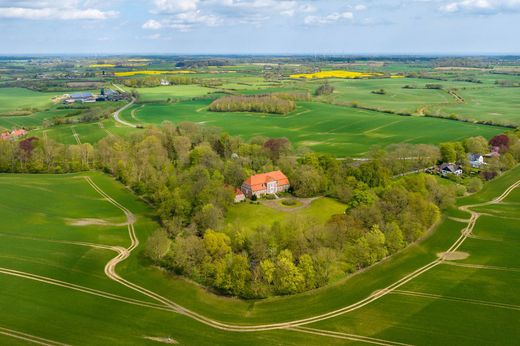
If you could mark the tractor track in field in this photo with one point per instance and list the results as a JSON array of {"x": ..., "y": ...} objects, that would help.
[
  {"x": 28, "y": 337},
  {"x": 75, "y": 135},
  {"x": 111, "y": 273},
  {"x": 296, "y": 325}
]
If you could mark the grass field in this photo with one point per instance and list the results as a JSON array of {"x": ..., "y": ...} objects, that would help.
[
  {"x": 338, "y": 130},
  {"x": 174, "y": 92},
  {"x": 469, "y": 301},
  {"x": 254, "y": 215},
  {"x": 15, "y": 99}
]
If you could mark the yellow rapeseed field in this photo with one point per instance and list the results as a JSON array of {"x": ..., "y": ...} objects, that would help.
[
  {"x": 150, "y": 72},
  {"x": 335, "y": 74},
  {"x": 102, "y": 65}
]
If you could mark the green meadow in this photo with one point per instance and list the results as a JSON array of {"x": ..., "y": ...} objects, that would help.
[
  {"x": 14, "y": 99},
  {"x": 337, "y": 130},
  {"x": 51, "y": 221}
]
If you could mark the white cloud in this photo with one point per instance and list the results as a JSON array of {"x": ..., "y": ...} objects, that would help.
[
  {"x": 481, "y": 6},
  {"x": 360, "y": 7},
  {"x": 152, "y": 24},
  {"x": 329, "y": 19},
  {"x": 55, "y": 13},
  {"x": 56, "y": 10},
  {"x": 175, "y": 6},
  {"x": 184, "y": 21}
]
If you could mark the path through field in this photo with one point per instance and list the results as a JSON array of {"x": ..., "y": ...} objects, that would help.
[
  {"x": 296, "y": 325},
  {"x": 119, "y": 120}
]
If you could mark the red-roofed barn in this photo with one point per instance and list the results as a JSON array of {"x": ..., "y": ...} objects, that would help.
[{"x": 265, "y": 184}]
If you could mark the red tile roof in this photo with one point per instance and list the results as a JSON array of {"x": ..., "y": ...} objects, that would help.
[{"x": 258, "y": 181}]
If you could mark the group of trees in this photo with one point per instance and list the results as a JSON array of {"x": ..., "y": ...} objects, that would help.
[
  {"x": 325, "y": 89},
  {"x": 189, "y": 172},
  {"x": 155, "y": 81},
  {"x": 254, "y": 103}
]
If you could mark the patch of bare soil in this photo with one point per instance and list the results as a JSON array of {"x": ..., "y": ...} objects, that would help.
[
  {"x": 91, "y": 222},
  {"x": 453, "y": 256},
  {"x": 163, "y": 340}
]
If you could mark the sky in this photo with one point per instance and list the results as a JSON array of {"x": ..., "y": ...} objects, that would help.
[{"x": 353, "y": 27}]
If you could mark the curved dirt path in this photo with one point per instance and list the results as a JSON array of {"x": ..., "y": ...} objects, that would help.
[
  {"x": 111, "y": 273},
  {"x": 296, "y": 325}
]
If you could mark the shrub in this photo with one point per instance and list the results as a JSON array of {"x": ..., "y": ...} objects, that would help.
[{"x": 289, "y": 202}]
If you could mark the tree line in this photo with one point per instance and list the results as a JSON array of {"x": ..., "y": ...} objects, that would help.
[{"x": 275, "y": 104}]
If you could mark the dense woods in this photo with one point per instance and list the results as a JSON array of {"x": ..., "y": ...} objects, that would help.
[
  {"x": 255, "y": 103},
  {"x": 189, "y": 172}
]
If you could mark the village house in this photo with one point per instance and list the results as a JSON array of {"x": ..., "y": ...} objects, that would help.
[
  {"x": 265, "y": 184},
  {"x": 450, "y": 168},
  {"x": 239, "y": 196},
  {"x": 14, "y": 134},
  {"x": 476, "y": 160}
]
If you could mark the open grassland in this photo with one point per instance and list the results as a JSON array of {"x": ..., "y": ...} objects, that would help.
[
  {"x": 473, "y": 101},
  {"x": 172, "y": 92},
  {"x": 53, "y": 226},
  {"x": 17, "y": 99},
  {"x": 254, "y": 215},
  {"x": 338, "y": 130}
]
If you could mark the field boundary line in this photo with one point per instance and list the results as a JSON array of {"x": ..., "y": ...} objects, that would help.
[
  {"x": 457, "y": 299},
  {"x": 28, "y": 337}
]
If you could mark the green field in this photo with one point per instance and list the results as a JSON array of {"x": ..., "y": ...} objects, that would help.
[
  {"x": 254, "y": 215},
  {"x": 163, "y": 93},
  {"x": 13, "y": 99},
  {"x": 337, "y": 130},
  {"x": 52, "y": 226}
]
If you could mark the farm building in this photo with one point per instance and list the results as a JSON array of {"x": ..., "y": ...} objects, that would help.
[
  {"x": 265, "y": 184},
  {"x": 81, "y": 97},
  {"x": 476, "y": 160},
  {"x": 450, "y": 168}
]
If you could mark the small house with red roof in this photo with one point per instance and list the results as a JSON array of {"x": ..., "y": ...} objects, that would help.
[
  {"x": 265, "y": 184},
  {"x": 14, "y": 134},
  {"x": 239, "y": 196}
]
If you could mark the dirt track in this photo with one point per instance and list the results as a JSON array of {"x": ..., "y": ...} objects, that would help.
[
  {"x": 110, "y": 271},
  {"x": 297, "y": 325}
]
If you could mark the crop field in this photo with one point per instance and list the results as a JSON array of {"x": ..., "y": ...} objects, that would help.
[
  {"x": 335, "y": 74},
  {"x": 338, "y": 130},
  {"x": 60, "y": 231},
  {"x": 84, "y": 132},
  {"x": 163, "y": 93},
  {"x": 16, "y": 99},
  {"x": 468, "y": 100}
]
